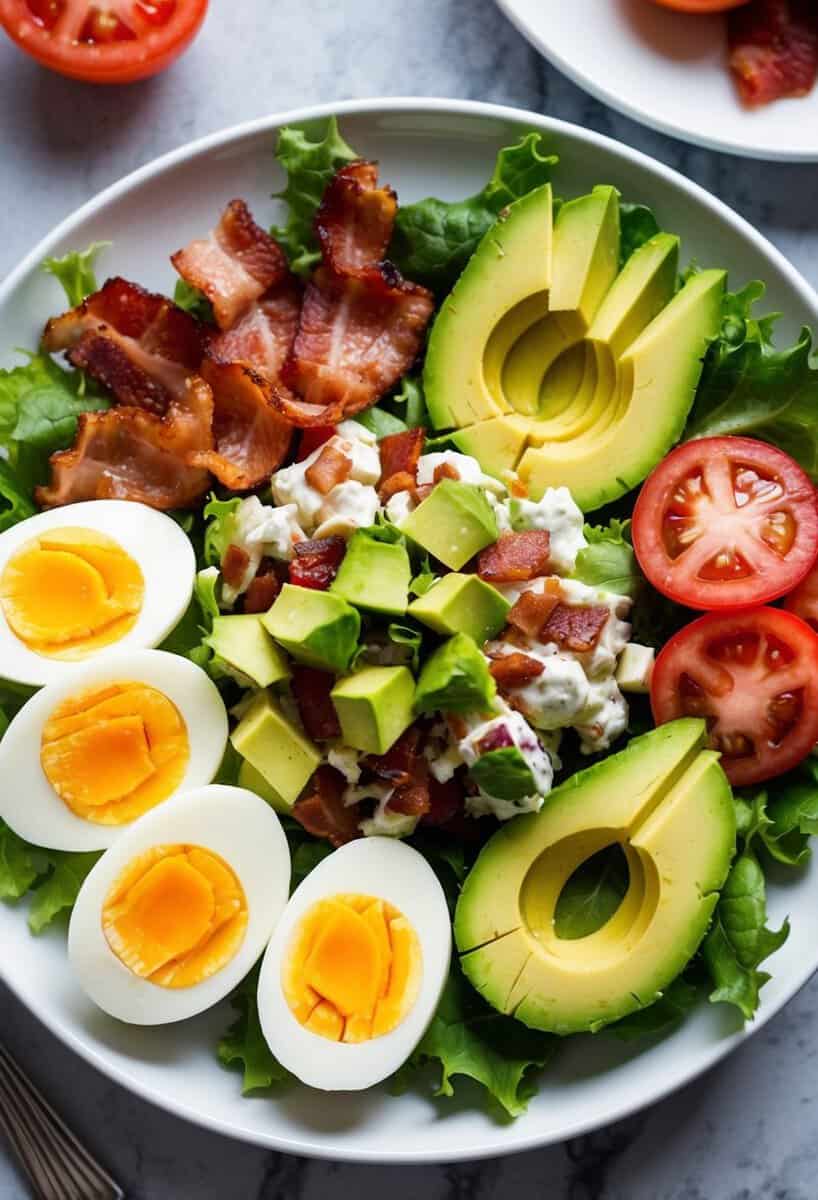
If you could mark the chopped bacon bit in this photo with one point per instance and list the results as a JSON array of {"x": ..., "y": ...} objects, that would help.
[
  {"x": 517, "y": 488},
  {"x": 515, "y": 557},
  {"x": 445, "y": 470},
  {"x": 311, "y": 439},
  {"x": 136, "y": 343},
  {"x": 422, "y": 491},
  {"x": 330, "y": 468},
  {"x": 263, "y": 337},
  {"x": 355, "y": 219},
  {"x": 400, "y": 453},
  {"x": 531, "y": 611},
  {"x": 773, "y": 49},
  {"x": 574, "y": 627},
  {"x": 317, "y": 561},
  {"x": 262, "y": 592},
  {"x": 311, "y": 689},
  {"x": 235, "y": 562},
  {"x": 322, "y": 812},
  {"x": 402, "y": 482},
  {"x": 411, "y": 800},
  {"x": 515, "y": 670},
  {"x": 250, "y": 439},
  {"x": 234, "y": 265},
  {"x": 445, "y": 801},
  {"x": 403, "y": 762}
]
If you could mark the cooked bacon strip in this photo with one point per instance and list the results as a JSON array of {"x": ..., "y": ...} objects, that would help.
[
  {"x": 403, "y": 762},
  {"x": 773, "y": 49},
  {"x": 263, "y": 336},
  {"x": 355, "y": 219},
  {"x": 532, "y": 610},
  {"x": 262, "y": 590},
  {"x": 402, "y": 482},
  {"x": 130, "y": 454},
  {"x": 515, "y": 557},
  {"x": 515, "y": 670},
  {"x": 234, "y": 265},
  {"x": 445, "y": 801},
  {"x": 322, "y": 812},
  {"x": 250, "y": 439},
  {"x": 316, "y": 562},
  {"x": 235, "y": 561},
  {"x": 443, "y": 471},
  {"x": 330, "y": 468},
  {"x": 136, "y": 343},
  {"x": 412, "y": 800},
  {"x": 311, "y": 689},
  {"x": 400, "y": 453},
  {"x": 575, "y": 628}
]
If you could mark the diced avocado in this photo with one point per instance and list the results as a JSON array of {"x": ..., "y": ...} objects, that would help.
[
  {"x": 496, "y": 444},
  {"x": 254, "y": 781},
  {"x": 666, "y": 801},
  {"x": 247, "y": 650},
  {"x": 453, "y": 523},
  {"x": 374, "y": 707},
  {"x": 374, "y": 575},
  {"x": 462, "y": 604},
  {"x": 316, "y": 628},
  {"x": 456, "y": 678},
  {"x": 504, "y": 774},
  {"x": 279, "y": 751}
]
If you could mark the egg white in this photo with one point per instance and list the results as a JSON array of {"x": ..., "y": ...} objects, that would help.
[
  {"x": 154, "y": 540},
  {"x": 28, "y": 802},
  {"x": 229, "y": 821},
  {"x": 388, "y": 870}
]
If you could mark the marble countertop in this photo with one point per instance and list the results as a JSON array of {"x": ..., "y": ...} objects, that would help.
[{"x": 746, "y": 1130}]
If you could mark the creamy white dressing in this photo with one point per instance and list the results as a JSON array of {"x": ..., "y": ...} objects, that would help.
[
  {"x": 536, "y": 758},
  {"x": 468, "y": 469},
  {"x": 605, "y": 719},
  {"x": 557, "y": 512},
  {"x": 349, "y": 506},
  {"x": 290, "y": 485}
]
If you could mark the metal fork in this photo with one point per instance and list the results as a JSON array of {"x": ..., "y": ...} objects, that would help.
[{"x": 58, "y": 1167}]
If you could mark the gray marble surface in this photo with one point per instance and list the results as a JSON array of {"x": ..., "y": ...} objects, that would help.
[{"x": 748, "y": 1129}]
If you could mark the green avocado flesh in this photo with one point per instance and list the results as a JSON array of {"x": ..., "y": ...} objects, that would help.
[
  {"x": 280, "y": 756},
  {"x": 462, "y": 604},
  {"x": 548, "y": 359},
  {"x": 667, "y": 803},
  {"x": 456, "y": 678},
  {"x": 374, "y": 707},
  {"x": 317, "y": 628},
  {"x": 453, "y": 523},
  {"x": 247, "y": 650},
  {"x": 374, "y": 575}
]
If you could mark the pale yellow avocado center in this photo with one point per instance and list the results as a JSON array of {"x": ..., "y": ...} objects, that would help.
[
  {"x": 111, "y": 753},
  {"x": 70, "y": 591},
  {"x": 176, "y": 915},
  {"x": 353, "y": 969}
]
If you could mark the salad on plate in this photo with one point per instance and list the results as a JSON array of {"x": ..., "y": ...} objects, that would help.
[{"x": 409, "y": 630}]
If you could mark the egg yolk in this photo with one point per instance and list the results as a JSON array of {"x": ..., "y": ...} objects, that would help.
[
  {"x": 353, "y": 969},
  {"x": 175, "y": 916},
  {"x": 68, "y": 592},
  {"x": 111, "y": 753}
]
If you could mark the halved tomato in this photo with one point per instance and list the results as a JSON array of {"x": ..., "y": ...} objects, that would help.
[
  {"x": 701, "y": 6},
  {"x": 804, "y": 600},
  {"x": 753, "y": 676},
  {"x": 109, "y": 41},
  {"x": 726, "y": 522}
]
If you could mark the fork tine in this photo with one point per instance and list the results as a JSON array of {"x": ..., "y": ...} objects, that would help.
[
  {"x": 28, "y": 1152},
  {"x": 42, "y": 1155}
]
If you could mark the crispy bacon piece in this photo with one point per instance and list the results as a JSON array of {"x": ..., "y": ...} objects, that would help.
[
  {"x": 445, "y": 470},
  {"x": 311, "y": 439},
  {"x": 316, "y": 562},
  {"x": 263, "y": 336},
  {"x": 403, "y": 762},
  {"x": 235, "y": 561},
  {"x": 234, "y": 265},
  {"x": 330, "y": 468},
  {"x": 400, "y": 453},
  {"x": 355, "y": 219},
  {"x": 250, "y": 439},
  {"x": 262, "y": 591},
  {"x": 773, "y": 49},
  {"x": 532, "y": 610},
  {"x": 445, "y": 801},
  {"x": 130, "y": 454},
  {"x": 515, "y": 557},
  {"x": 412, "y": 800},
  {"x": 515, "y": 670},
  {"x": 355, "y": 339},
  {"x": 574, "y": 627},
  {"x": 311, "y": 689},
  {"x": 136, "y": 343},
  {"x": 402, "y": 482},
  {"x": 322, "y": 812}
]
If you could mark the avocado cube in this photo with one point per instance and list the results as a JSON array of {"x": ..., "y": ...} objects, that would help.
[
  {"x": 374, "y": 707},
  {"x": 462, "y": 604},
  {"x": 456, "y": 678},
  {"x": 254, "y": 781},
  {"x": 374, "y": 575},
  {"x": 276, "y": 749},
  {"x": 247, "y": 650},
  {"x": 317, "y": 628},
  {"x": 453, "y": 523}
]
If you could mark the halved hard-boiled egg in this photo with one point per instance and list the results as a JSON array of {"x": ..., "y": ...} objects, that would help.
[
  {"x": 356, "y": 966},
  {"x": 78, "y": 580},
  {"x": 87, "y": 756},
  {"x": 174, "y": 915}
]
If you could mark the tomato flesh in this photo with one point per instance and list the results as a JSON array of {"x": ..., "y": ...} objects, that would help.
[
  {"x": 724, "y": 523},
  {"x": 753, "y": 677},
  {"x": 804, "y": 600}
]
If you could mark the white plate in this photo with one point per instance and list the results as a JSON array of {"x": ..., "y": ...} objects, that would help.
[
  {"x": 447, "y": 148},
  {"x": 668, "y": 70}
]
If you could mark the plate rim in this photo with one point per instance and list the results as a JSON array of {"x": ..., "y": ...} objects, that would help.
[
  {"x": 763, "y": 152},
  {"x": 504, "y": 1141}
]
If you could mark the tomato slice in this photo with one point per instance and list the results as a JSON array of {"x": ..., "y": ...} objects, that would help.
[
  {"x": 725, "y": 523},
  {"x": 753, "y": 676},
  {"x": 110, "y": 41},
  {"x": 804, "y": 600}
]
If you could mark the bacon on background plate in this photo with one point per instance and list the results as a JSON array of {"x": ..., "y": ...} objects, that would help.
[
  {"x": 355, "y": 219},
  {"x": 263, "y": 335},
  {"x": 773, "y": 48}
]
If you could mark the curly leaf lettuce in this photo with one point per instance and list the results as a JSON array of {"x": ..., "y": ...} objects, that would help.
[
  {"x": 243, "y": 1044},
  {"x": 638, "y": 225},
  {"x": 608, "y": 561},
  {"x": 75, "y": 272},
  {"x": 53, "y": 878}
]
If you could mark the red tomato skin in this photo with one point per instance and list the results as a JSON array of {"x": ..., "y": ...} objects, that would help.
[
  {"x": 118, "y": 62},
  {"x": 804, "y": 600},
  {"x": 710, "y": 595},
  {"x": 680, "y": 654}
]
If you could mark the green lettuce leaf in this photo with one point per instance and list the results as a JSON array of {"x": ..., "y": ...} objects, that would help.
[
  {"x": 15, "y": 504},
  {"x": 408, "y": 636},
  {"x": 434, "y": 239},
  {"x": 504, "y": 773},
  {"x": 193, "y": 301},
  {"x": 425, "y": 578},
  {"x": 58, "y": 892},
  {"x": 310, "y": 154},
  {"x": 243, "y": 1044},
  {"x": 409, "y": 402},
  {"x": 21, "y": 864},
  {"x": 592, "y": 894},
  {"x": 219, "y": 528},
  {"x": 75, "y": 271},
  {"x": 783, "y": 815},
  {"x": 608, "y": 561},
  {"x": 638, "y": 225},
  {"x": 380, "y": 422}
]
